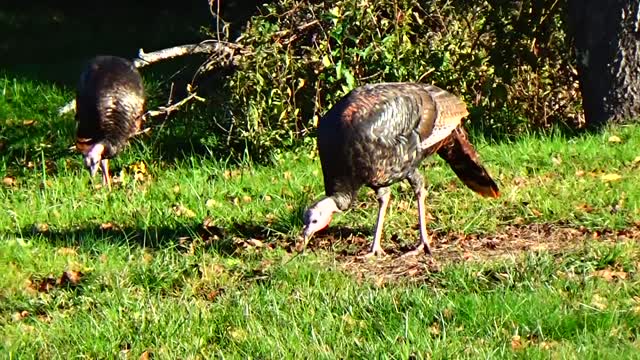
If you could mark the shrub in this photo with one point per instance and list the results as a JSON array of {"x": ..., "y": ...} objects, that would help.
[{"x": 510, "y": 61}]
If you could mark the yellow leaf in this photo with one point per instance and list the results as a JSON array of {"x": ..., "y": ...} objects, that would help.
[
  {"x": 636, "y": 160},
  {"x": 210, "y": 203},
  {"x": 614, "y": 139},
  {"x": 611, "y": 177}
]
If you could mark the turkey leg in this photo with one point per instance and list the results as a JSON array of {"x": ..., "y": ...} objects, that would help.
[
  {"x": 106, "y": 179},
  {"x": 384, "y": 195},
  {"x": 417, "y": 183}
]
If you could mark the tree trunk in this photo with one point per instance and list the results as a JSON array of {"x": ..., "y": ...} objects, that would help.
[{"x": 607, "y": 40}]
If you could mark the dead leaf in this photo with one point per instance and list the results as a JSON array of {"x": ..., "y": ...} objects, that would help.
[
  {"x": 435, "y": 329},
  {"x": 556, "y": 160},
  {"x": 9, "y": 181},
  {"x": 585, "y": 207},
  {"x": 267, "y": 198},
  {"x": 213, "y": 294},
  {"x": 40, "y": 228},
  {"x": 210, "y": 203},
  {"x": 145, "y": 355},
  {"x": 580, "y": 173},
  {"x": 70, "y": 277},
  {"x": 516, "y": 342},
  {"x": 176, "y": 189},
  {"x": 17, "y": 316},
  {"x": 614, "y": 139},
  {"x": 28, "y": 122},
  {"x": 610, "y": 275},
  {"x": 598, "y": 302},
  {"x": 611, "y": 177},
  {"x": 45, "y": 285},
  {"x": 246, "y": 198},
  {"x": 238, "y": 334},
  {"x": 65, "y": 251},
  {"x": 636, "y": 160},
  {"x": 255, "y": 243},
  {"x": 208, "y": 222},
  {"x": 106, "y": 226},
  {"x": 181, "y": 210}
]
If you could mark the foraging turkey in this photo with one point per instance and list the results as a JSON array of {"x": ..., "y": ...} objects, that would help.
[
  {"x": 377, "y": 135},
  {"x": 109, "y": 107}
]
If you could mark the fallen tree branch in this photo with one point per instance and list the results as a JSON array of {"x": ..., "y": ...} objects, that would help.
[
  {"x": 162, "y": 110},
  {"x": 229, "y": 52}
]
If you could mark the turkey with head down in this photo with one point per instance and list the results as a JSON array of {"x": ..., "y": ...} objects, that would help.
[
  {"x": 110, "y": 103},
  {"x": 377, "y": 135}
]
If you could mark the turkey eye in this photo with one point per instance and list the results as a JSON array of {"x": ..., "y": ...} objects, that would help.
[{"x": 314, "y": 221}]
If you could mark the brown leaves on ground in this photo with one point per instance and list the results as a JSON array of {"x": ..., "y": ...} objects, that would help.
[
  {"x": 181, "y": 210},
  {"x": 610, "y": 275},
  {"x": 510, "y": 242},
  {"x": 68, "y": 278},
  {"x": 9, "y": 181}
]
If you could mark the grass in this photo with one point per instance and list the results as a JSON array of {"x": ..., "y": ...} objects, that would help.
[{"x": 92, "y": 273}]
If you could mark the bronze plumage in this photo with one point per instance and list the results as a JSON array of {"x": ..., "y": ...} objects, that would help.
[
  {"x": 377, "y": 135},
  {"x": 110, "y": 103}
]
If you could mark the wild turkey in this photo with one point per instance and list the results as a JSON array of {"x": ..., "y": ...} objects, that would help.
[
  {"x": 377, "y": 135},
  {"x": 109, "y": 107}
]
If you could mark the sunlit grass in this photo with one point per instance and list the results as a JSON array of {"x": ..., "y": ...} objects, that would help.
[{"x": 142, "y": 287}]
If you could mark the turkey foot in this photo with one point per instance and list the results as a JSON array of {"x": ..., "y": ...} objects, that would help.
[{"x": 374, "y": 253}]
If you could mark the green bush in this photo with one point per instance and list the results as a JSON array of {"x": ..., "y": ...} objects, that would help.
[{"x": 510, "y": 61}]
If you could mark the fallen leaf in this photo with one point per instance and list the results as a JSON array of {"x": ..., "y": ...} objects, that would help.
[
  {"x": 17, "y": 316},
  {"x": 585, "y": 207},
  {"x": 556, "y": 160},
  {"x": 9, "y": 181},
  {"x": 267, "y": 198},
  {"x": 145, "y": 355},
  {"x": 580, "y": 173},
  {"x": 614, "y": 139},
  {"x": 213, "y": 294},
  {"x": 246, "y": 198},
  {"x": 610, "y": 275},
  {"x": 255, "y": 243},
  {"x": 636, "y": 160},
  {"x": 65, "y": 251},
  {"x": 208, "y": 222},
  {"x": 238, "y": 334},
  {"x": 598, "y": 302},
  {"x": 176, "y": 189},
  {"x": 70, "y": 277},
  {"x": 106, "y": 226},
  {"x": 516, "y": 342},
  {"x": 28, "y": 122},
  {"x": 435, "y": 329},
  {"x": 611, "y": 177},
  {"x": 547, "y": 345},
  {"x": 210, "y": 203},
  {"x": 40, "y": 228},
  {"x": 181, "y": 210}
]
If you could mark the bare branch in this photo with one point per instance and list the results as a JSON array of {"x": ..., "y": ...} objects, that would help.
[
  {"x": 228, "y": 54},
  {"x": 168, "y": 109}
]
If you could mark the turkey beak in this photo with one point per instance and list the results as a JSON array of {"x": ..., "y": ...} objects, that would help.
[{"x": 307, "y": 234}]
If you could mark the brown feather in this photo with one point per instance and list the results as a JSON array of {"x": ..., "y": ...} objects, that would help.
[{"x": 464, "y": 160}]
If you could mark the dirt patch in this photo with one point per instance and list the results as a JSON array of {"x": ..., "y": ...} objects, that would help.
[{"x": 510, "y": 242}]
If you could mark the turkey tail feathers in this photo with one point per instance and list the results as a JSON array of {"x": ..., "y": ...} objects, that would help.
[{"x": 463, "y": 159}]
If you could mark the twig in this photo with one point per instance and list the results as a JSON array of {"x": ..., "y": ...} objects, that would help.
[
  {"x": 229, "y": 51},
  {"x": 168, "y": 109}
]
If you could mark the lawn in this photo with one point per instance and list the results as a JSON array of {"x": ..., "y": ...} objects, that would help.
[{"x": 192, "y": 254}]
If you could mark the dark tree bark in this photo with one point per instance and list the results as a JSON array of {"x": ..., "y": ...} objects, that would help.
[{"x": 607, "y": 39}]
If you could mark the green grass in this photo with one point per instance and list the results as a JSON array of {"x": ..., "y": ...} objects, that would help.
[{"x": 150, "y": 282}]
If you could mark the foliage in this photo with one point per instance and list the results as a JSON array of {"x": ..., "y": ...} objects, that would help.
[{"x": 510, "y": 61}]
